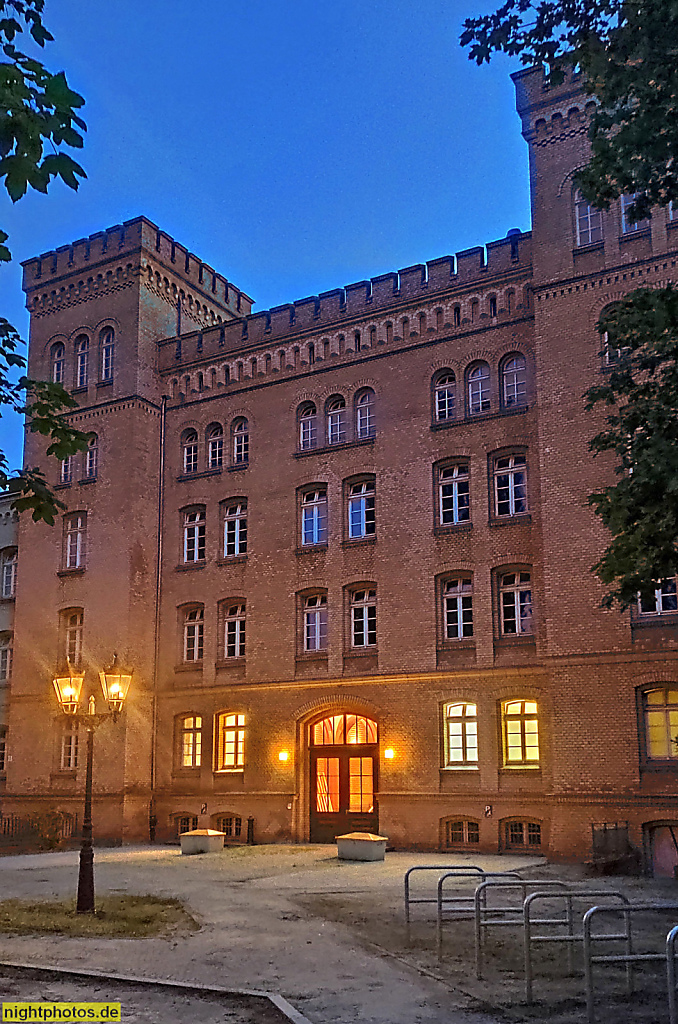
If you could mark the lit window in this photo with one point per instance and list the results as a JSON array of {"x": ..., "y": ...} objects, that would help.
[
  {"x": 513, "y": 380},
  {"x": 193, "y": 634},
  {"x": 461, "y": 733},
  {"x": 361, "y": 512},
  {"x": 315, "y": 623},
  {"x": 479, "y": 389},
  {"x": 364, "y": 618},
  {"x": 75, "y": 536},
  {"x": 343, "y": 729},
  {"x": 453, "y": 494},
  {"x": 191, "y": 742},
  {"x": 194, "y": 535},
  {"x": 241, "y": 442},
  {"x": 314, "y": 517},
  {"x": 458, "y": 833},
  {"x": 107, "y": 353},
  {"x": 92, "y": 458},
  {"x": 82, "y": 362},
  {"x": 445, "y": 395},
  {"x": 364, "y": 408},
  {"x": 336, "y": 420},
  {"x": 230, "y": 742},
  {"x": 73, "y": 623},
  {"x": 191, "y": 451},
  {"x": 234, "y": 631},
  {"x": 631, "y": 225},
  {"x": 69, "y": 745},
  {"x": 458, "y": 608},
  {"x": 235, "y": 530},
  {"x": 308, "y": 427},
  {"x": 521, "y": 733},
  {"x": 66, "y": 471},
  {"x": 215, "y": 447},
  {"x": 510, "y": 485},
  {"x": 5, "y": 659},
  {"x": 660, "y": 712},
  {"x": 663, "y": 599},
  {"x": 516, "y": 604},
  {"x": 58, "y": 353},
  {"x": 589, "y": 222},
  {"x": 9, "y": 564}
]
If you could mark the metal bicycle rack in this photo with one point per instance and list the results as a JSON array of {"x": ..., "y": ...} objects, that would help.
[
  {"x": 628, "y": 959},
  {"x": 461, "y": 908},
  {"x": 451, "y": 869},
  {"x": 568, "y": 921},
  {"x": 510, "y": 916}
]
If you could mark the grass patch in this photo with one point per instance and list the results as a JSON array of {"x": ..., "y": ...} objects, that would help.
[{"x": 130, "y": 917}]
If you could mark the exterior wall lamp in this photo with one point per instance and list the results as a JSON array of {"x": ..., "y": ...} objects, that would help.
[
  {"x": 284, "y": 755},
  {"x": 115, "y": 683},
  {"x": 389, "y": 753}
]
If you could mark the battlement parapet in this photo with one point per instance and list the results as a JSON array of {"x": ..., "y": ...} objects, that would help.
[
  {"x": 478, "y": 286},
  {"x": 120, "y": 242},
  {"x": 549, "y": 112}
]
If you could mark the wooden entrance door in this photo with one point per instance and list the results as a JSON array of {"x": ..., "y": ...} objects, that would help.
[{"x": 344, "y": 760}]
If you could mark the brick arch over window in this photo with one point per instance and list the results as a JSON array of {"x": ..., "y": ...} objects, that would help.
[{"x": 338, "y": 702}]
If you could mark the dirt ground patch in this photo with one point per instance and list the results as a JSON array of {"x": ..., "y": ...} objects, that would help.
[
  {"x": 377, "y": 919},
  {"x": 140, "y": 1004}
]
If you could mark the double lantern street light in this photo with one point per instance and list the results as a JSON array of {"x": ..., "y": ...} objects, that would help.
[{"x": 115, "y": 682}]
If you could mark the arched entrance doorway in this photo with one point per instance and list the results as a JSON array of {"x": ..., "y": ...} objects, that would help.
[{"x": 344, "y": 759}]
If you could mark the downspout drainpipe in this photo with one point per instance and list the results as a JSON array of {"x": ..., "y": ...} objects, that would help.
[{"x": 152, "y": 820}]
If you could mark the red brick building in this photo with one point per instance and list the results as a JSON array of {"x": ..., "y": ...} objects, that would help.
[{"x": 345, "y": 543}]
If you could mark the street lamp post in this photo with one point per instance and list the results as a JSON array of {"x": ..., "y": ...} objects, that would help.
[{"x": 115, "y": 682}]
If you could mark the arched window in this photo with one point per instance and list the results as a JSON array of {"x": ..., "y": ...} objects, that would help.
[
  {"x": 92, "y": 458},
  {"x": 82, "y": 361},
  {"x": 439, "y": 320},
  {"x": 234, "y": 630},
  {"x": 107, "y": 342},
  {"x": 629, "y": 225},
  {"x": 235, "y": 528},
  {"x": 57, "y": 358},
  {"x": 75, "y": 540},
  {"x": 5, "y": 657},
  {"x": 521, "y": 733},
  {"x": 422, "y": 323},
  {"x": 478, "y": 389},
  {"x": 336, "y": 420},
  {"x": 445, "y": 389},
  {"x": 215, "y": 446},
  {"x": 194, "y": 534},
  {"x": 493, "y": 305},
  {"x": 458, "y": 608},
  {"x": 72, "y": 626},
  {"x": 363, "y": 618},
  {"x": 68, "y": 761},
  {"x": 364, "y": 413},
  {"x": 241, "y": 442},
  {"x": 190, "y": 739},
  {"x": 660, "y": 723},
  {"x": 311, "y": 354},
  {"x": 461, "y": 833},
  {"x": 338, "y": 730},
  {"x": 589, "y": 221},
  {"x": 314, "y": 516},
  {"x": 510, "y": 485},
  {"x": 315, "y": 623},
  {"x": 8, "y": 565},
  {"x": 308, "y": 426},
  {"x": 513, "y": 381},
  {"x": 515, "y": 600},
  {"x": 193, "y": 634},
  {"x": 456, "y": 316},
  {"x": 230, "y": 742},
  {"x": 461, "y": 735},
  {"x": 190, "y": 451}
]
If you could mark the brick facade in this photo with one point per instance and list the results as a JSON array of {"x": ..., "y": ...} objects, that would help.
[{"x": 189, "y": 357}]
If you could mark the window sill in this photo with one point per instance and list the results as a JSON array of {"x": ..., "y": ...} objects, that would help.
[
  {"x": 440, "y": 531},
  {"x": 519, "y": 517},
  {"x": 309, "y": 549},
  {"x": 324, "y": 449},
  {"x": 189, "y": 567},
  {"x": 238, "y": 467},
  {"x": 189, "y": 666},
  {"x": 306, "y": 656},
  {"x": 590, "y": 247},
  {"x": 361, "y": 652},
  {"x": 460, "y": 768},
  {"x": 87, "y": 480},
  {"x": 481, "y": 416},
  {"x": 355, "y": 542},
  {"x": 653, "y": 620},
  {"x": 640, "y": 233},
  {"x": 62, "y": 487},
  {"x": 199, "y": 476},
  {"x": 229, "y": 771},
  {"x": 514, "y": 639},
  {"x": 80, "y": 391},
  {"x": 232, "y": 560},
  {"x": 64, "y": 773},
  {"x": 660, "y": 765},
  {"x": 75, "y": 571},
  {"x": 464, "y": 643},
  {"x": 230, "y": 662},
  {"x": 520, "y": 768},
  {"x": 105, "y": 383}
]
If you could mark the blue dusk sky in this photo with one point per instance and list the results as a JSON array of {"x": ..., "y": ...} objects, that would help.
[{"x": 295, "y": 146}]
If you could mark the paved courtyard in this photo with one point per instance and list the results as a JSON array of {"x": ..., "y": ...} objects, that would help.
[{"x": 258, "y": 930}]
